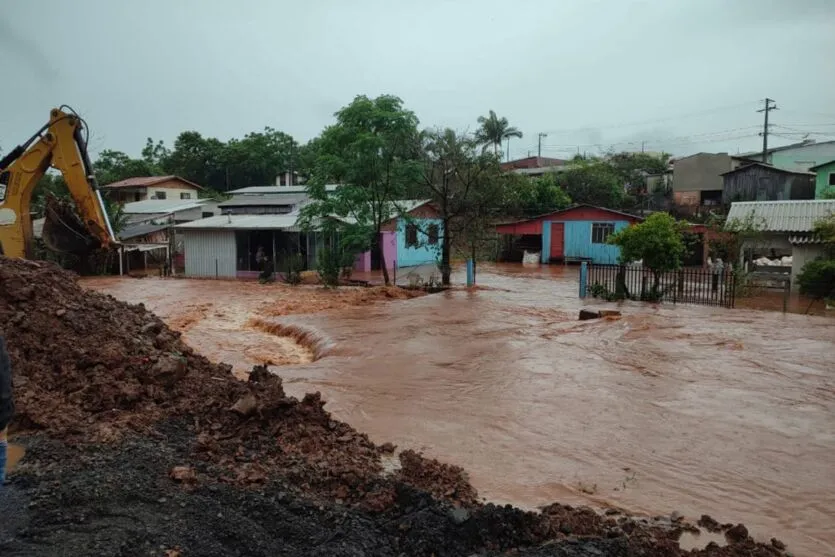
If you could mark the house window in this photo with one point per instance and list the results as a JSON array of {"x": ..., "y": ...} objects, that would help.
[
  {"x": 432, "y": 233},
  {"x": 832, "y": 178},
  {"x": 600, "y": 232},
  {"x": 411, "y": 236},
  {"x": 185, "y": 195},
  {"x": 160, "y": 195},
  {"x": 207, "y": 214}
]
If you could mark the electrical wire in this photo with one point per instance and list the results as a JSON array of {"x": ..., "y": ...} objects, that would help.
[{"x": 656, "y": 120}]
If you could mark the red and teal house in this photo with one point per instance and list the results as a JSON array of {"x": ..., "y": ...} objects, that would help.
[{"x": 579, "y": 233}]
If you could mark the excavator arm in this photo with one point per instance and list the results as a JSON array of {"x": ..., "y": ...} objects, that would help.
[{"x": 61, "y": 145}]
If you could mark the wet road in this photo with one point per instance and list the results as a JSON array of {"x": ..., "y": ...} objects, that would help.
[{"x": 687, "y": 409}]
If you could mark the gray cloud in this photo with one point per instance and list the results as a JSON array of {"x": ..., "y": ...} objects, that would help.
[{"x": 586, "y": 71}]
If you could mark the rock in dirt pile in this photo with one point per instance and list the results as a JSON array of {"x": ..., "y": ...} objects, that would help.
[{"x": 94, "y": 372}]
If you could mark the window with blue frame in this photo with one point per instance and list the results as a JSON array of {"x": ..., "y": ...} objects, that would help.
[{"x": 600, "y": 232}]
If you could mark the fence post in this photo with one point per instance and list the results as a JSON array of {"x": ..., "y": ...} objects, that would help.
[
  {"x": 470, "y": 273},
  {"x": 787, "y": 286},
  {"x": 217, "y": 274},
  {"x": 584, "y": 272}
]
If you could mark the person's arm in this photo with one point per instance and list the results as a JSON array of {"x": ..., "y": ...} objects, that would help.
[{"x": 6, "y": 398}]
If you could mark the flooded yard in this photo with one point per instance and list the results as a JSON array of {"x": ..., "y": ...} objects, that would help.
[{"x": 672, "y": 408}]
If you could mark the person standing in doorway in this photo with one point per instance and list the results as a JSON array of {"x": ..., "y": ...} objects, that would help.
[{"x": 6, "y": 405}]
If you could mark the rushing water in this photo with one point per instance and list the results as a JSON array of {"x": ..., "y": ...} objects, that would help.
[{"x": 688, "y": 409}]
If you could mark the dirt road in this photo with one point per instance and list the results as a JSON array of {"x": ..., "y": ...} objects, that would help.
[{"x": 685, "y": 409}]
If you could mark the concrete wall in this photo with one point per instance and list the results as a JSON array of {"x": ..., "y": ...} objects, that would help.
[
  {"x": 410, "y": 256},
  {"x": 700, "y": 172},
  {"x": 803, "y": 158},
  {"x": 209, "y": 253},
  {"x": 822, "y": 180}
]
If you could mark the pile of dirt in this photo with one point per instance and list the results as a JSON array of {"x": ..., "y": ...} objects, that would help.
[
  {"x": 159, "y": 448},
  {"x": 90, "y": 368}
]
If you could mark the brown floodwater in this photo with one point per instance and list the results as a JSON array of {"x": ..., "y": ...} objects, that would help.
[{"x": 669, "y": 408}]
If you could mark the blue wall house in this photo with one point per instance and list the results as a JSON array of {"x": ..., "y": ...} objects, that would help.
[
  {"x": 579, "y": 233},
  {"x": 408, "y": 241}
]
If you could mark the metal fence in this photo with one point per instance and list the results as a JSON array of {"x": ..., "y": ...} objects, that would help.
[{"x": 685, "y": 286}]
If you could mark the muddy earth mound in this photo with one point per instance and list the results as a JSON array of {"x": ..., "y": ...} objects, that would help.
[{"x": 139, "y": 446}]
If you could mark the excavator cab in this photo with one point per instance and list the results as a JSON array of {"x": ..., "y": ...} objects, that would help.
[{"x": 79, "y": 225}]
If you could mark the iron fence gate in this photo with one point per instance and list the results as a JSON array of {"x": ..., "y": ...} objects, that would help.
[{"x": 685, "y": 286}]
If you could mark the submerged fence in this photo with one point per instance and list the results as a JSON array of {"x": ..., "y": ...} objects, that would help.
[{"x": 684, "y": 286}]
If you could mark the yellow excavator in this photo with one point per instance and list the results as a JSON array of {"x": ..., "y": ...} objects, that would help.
[{"x": 60, "y": 144}]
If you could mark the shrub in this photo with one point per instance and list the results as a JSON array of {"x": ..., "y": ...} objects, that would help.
[
  {"x": 817, "y": 278},
  {"x": 328, "y": 266},
  {"x": 293, "y": 267}
]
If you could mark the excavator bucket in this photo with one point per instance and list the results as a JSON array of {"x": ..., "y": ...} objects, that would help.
[{"x": 63, "y": 230}]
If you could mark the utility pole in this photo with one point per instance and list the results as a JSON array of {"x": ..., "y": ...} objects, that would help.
[
  {"x": 539, "y": 146},
  {"x": 770, "y": 104}
]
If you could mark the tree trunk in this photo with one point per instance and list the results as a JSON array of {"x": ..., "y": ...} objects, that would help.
[
  {"x": 381, "y": 253},
  {"x": 446, "y": 270}
]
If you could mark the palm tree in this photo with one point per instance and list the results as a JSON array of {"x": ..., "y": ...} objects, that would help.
[{"x": 494, "y": 130}]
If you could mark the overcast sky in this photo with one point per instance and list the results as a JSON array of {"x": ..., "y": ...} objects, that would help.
[{"x": 680, "y": 75}]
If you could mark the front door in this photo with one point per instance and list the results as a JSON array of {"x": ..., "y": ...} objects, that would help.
[{"x": 557, "y": 240}]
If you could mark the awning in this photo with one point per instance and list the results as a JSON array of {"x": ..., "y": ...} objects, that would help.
[{"x": 143, "y": 247}]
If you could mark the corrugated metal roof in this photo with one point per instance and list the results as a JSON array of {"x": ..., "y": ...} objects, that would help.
[
  {"x": 396, "y": 209},
  {"x": 804, "y": 239},
  {"x": 784, "y": 216},
  {"x": 261, "y": 190},
  {"x": 745, "y": 167},
  {"x": 265, "y": 200},
  {"x": 144, "y": 181},
  {"x": 162, "y": 206},
  {"x": 243, "y": 222},
  {"x": 819, "y": 166},
  {"x": 138, "y": 230}
]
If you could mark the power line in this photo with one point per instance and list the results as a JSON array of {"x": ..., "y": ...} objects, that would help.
[{"x": 653, "y": 121}]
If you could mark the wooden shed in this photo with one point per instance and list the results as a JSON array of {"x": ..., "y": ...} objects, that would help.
[
  {"x": 764, "y": 182},
  {"x": 579, "y": 233}
]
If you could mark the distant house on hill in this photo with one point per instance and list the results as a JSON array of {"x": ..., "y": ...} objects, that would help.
[{"x": 151, "y": 187}]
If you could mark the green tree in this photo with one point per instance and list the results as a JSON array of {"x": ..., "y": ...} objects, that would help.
[
  {"x": 657, "y": 242},
  {"x": 594, "y": 182},
  {"x": 464, "y": 184},
  {"x": 113, "y": 166},
  {"x": 633, "y": 169},
  {"x": 373, "y": 151},
  {"x": 258, "y": 158},
  {"x": 494, "y": 130},
  {"x": 825, "y": 230},
  {"x": 154, "y": 153},
  {"x": 530, "y": 197},
  {"x": 200, "y": 160}
]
